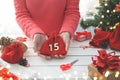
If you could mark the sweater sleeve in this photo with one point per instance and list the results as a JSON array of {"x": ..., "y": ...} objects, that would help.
[
  {"x": 24, "y": 19},
  {"x": 72, "y": 16}
]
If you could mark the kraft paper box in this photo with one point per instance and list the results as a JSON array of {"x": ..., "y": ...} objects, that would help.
[{"x": 94, "y": 74}]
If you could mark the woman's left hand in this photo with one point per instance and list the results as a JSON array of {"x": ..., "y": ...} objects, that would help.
[{"x": 66, "y": 38}]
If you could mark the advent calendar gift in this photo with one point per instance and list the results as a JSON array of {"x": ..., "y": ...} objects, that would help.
[
  {"x": 105, "y": 66},
  {"x": 54, "y": 45},
  {"x": 13, "y": 51}
]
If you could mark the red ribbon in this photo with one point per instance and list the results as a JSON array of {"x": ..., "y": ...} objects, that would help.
[
  {"x": 22, "y": 39},
  {"x": 105, "y": 61}
]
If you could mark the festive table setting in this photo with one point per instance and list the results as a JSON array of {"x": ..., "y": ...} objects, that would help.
[{"x": 88, "y": 58}]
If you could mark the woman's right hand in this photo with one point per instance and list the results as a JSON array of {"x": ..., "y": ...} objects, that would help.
[{"x": 38, "y": 41}]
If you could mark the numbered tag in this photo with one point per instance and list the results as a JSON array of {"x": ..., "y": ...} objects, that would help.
[{"x": 54, "y": 47}]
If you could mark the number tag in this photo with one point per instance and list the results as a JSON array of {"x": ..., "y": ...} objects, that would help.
[{"x": 54, "y": 47}]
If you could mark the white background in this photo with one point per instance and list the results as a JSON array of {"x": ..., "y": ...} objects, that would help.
[{"x": 8, "y": 25}]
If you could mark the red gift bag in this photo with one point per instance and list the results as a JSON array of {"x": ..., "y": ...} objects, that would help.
[
  {"x": 54, "y": 45},
  {"x": 114, "y": 40},
  {"x": 12, "y": 53},
  {"x": 100, "y": 39}
]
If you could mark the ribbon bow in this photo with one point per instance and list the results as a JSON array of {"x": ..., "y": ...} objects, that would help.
[
  {"x": 106, "y": 61},
  {"x": 85, "y": 33},
  {"x": 81, "y": 36}
]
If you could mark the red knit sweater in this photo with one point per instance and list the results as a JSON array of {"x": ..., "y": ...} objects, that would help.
[{"x": 46, "y": 16}]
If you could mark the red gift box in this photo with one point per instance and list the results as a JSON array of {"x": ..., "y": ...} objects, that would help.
[
  {"x": 82, "y": 36},
  {"x": 105, "y": 66},
  {"x": 54, "y": 45}
]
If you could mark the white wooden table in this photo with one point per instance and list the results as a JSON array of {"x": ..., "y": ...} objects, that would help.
[{"x": 42, "y": 69}]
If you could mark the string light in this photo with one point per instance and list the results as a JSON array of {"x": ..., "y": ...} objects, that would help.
[
  {"x": 114, "y": 10},
  {"x": 106, "y": 4},
  {"x": 8, "y": 72},
  {"x": 100, "y": 22},
  {"x": 10, "y": 78},
  {"x": 107, "y": 23},
  {"x": 18, "y": 74},
  {"x": 67, "y": 78},
  {"x": 102, "y": 16},
  {"x": 108, "y": 11},
  {"x": 35, "y": 78},
  {"x": 117, "y": 74},
  {"x": 114, "y": 27},
  {"x": 107, "y": 73},
  {"x": 111, "y": 28},
  {"x": 75, "y": 72},
  {"x": 94, "y": 14},
  {"x": 95, "y": 78}
]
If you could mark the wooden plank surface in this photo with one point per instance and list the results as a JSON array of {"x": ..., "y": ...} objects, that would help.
[{"x": 42, "y": 69}]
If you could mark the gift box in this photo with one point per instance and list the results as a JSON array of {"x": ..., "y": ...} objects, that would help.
[
  {"x": 94, "y": 74},
  {"x": 82, "y": 36},
  {"x": 105, "y": 66}
]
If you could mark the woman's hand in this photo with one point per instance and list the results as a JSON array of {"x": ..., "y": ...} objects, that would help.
[
  {"x": 66, "y": 38},
  {"x": 38, "y": 41}
]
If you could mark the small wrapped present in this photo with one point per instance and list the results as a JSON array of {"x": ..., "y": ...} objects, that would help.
[
  {"x": 105, "y": 66},
  {"x": 82, "y": 36},
  {"x": 5, "y": 74}
]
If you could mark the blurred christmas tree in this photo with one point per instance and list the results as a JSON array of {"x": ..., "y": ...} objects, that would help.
[{"x": 107, "y": 17}]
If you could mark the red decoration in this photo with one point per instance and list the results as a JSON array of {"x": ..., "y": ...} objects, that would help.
[
  {"x": 12, "y": 53},
  {"x": 114, "y": 40},
  {"x": 22, "y": 39},
  {"x": 105, "y": 61},
  {"x": 5, "y": 74},
  {"x": 54, "y": 45},
  {"x": 68, "y": 66},
  {"x": 84, "y": 47},
  {"x": 65, "y": 67},
  {"x": 82, "y": 36},
  {"x": 97, "y": 29},
  {"x": 117, "y": 8},
  {"x": 100, "y": 39}
]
